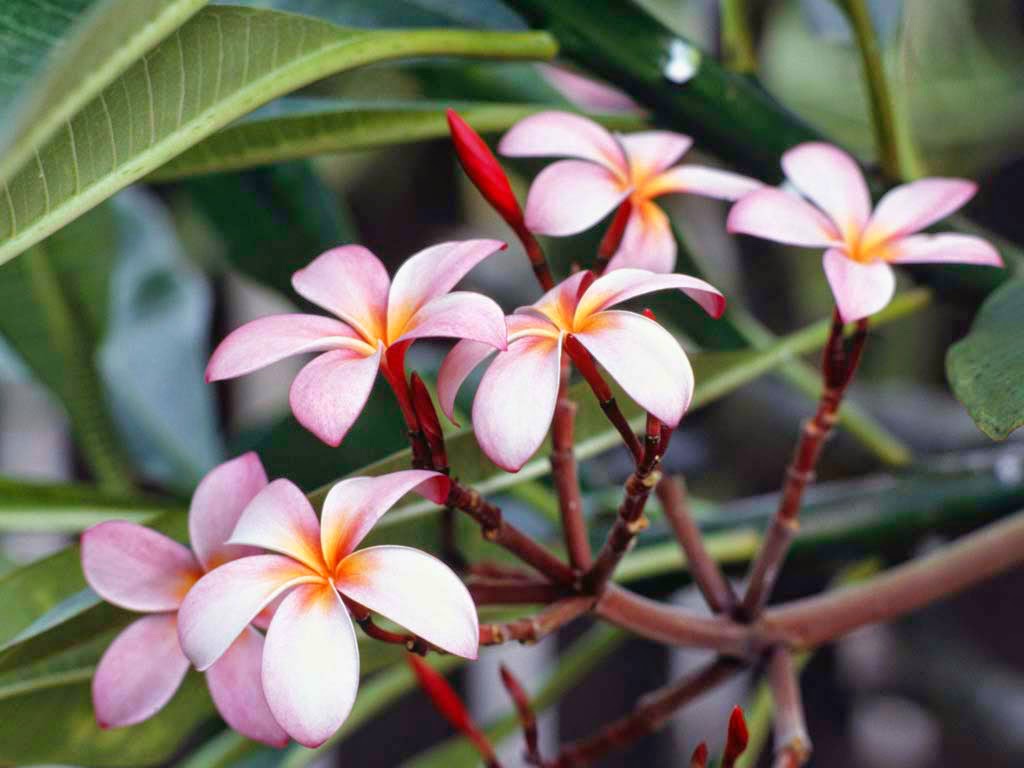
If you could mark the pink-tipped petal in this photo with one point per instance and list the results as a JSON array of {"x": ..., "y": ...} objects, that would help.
[
  {"x": 281, "y": 519},
  {"x": 430, "y": 274},
  {"x": 944, "y": 249},
  {"x": 572, "y": 195},
  {"x": 647, "y": 243},
  {"x": 698, "y": 180},
  {"x": 833, "y": 181},
  {"x": 415, "y": 590},
  {"x": 776, "y": 215},
  {"x": 136, "y": 568},
  {"x": 624, "y": 284},
  {"x": 650, "y": 152},
  {"x": 225, "y": 600},
  {"x": 354, "y": 506},
  {"x": 459, "y": 315},
  {"x": 457, "y": 365},
  {"x": 217, "y": 504},
  {"x": 236, "y": 685},
  {"x": 516, "y": 401},
  {"x": 585, "y": 91},
  {"x": 912, "y": 207},
  {"x": 273, "y": 338},
  {"x": 139, "y": 673},
  {"x": 645, "y": 359},
  {"x": 559, "y": 304},
  {"x": 350, "y": 282},
  {"x": 859, "y": 289},
  {"x": 563, "y": 134},
  {"x": 311, "y": 664},
  {"x": 329, "y": 393}
]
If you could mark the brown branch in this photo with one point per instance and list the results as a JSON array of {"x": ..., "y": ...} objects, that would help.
[
  {"x": 651, "y": 713},
  {"x": 363, "y": 617},
  {"x": 502, "y": 592},
  {"x": 532, "y": 629},
  {"x": 565, "y": 476},
  {"x": 812, "y": 621},
  {"x": 496, "y": 530},
  {"x": 717, "y": 591},
  {"x": 838, "y": 368},
  {"x": 792, "y": 744}
]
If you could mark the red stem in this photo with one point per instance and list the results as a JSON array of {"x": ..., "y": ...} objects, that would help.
[
  {"x": 564, "y": 474},
  {"x": 613, "y": 236}
]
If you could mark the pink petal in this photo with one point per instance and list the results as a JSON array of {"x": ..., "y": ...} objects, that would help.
[
  {"x": 139, "y": 673},
  {"x": 645, "y": 359},
  {"x": 225, "y": 600},
  {"x": 457, "y": 365},
  {"x": 563, "y": 134},
  {"x": 516, "y": 400},
  {"x": 833, "y": 181},
  {"x": 647, "y": 243},
  {"x": 624, "y": 284},
  {"x": 650, "y": 152},
  {"x": 217, "y": 504},
  {"x": 559, "y": 304},
  {"x": 311, "y": 664},
  {"x": 698, "y": 180},
  {"x": 912, "y": 207},
  {"x": 136, "y": 568},
  {"x": 459, "y": 315},
  {"x": 354, "y": 506},
  {"x": 586, "y": 92},
  {"x": 860, "y": 289},
  {"x": 415, "y": 590},
  {"x": 269, "y": 339},
  {"x": 237, "y": 689},
  {"x": 776, "y": 215},
  {"x": 329, "y": 393},
  {"x": 350, "y": 282},
  {"x": 944, "y": 249},
  {"x": 570, "y": 196},
  {"x": 430, "y": 274},
  {"x": 281, "y": 519}
]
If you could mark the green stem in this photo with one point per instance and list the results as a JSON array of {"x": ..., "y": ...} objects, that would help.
[
  {"x": 738, "y": 38},
  {"x": 883, "y": 114},
  {"x": 82, "y": 393}
]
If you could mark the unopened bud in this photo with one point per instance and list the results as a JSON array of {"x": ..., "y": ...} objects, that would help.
[
  {"x": 699, "y": 759},
  {"x": 736, "y": 738},
  {"x": 483, "y": 170}
]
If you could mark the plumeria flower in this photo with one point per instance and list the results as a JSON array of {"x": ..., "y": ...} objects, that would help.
[
  {"x": 860, "y": 243},
  {"x": 515, "y": 402},
  {"x": 379, "y": 320},
  {"x": 311, "y": 659},
  {"x": 141, "y": 570},
  {"x": 572, "y": 195}
]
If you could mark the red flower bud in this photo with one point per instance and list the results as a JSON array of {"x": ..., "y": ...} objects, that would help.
[
  {"x": 736, "y": 738},
  {"x": 483, "y": 169},
  {"x": 700, "y": 756}
]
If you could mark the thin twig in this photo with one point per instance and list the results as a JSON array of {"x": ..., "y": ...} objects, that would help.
[
  {"x": 565, "y": 476},
  {"x": 532, "y": 629},
  {"x": 364, "y": 619},
  {"x": 792, "y": 744},
  {"x": 527, "y": 718},
  {"x": 717, "y": 591},
  {"x": 838, "y": 368}
]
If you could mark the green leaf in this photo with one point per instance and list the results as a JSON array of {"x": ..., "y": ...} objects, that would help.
[
  {"x": 222, "y": 64},
  {"x": 295, "y": 128},
  {"x": 60, "y": 54},
  {"x": 986, "y": 367}
]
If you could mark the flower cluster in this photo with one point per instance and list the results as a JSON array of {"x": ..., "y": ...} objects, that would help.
[{"x": 264, "y": 601}]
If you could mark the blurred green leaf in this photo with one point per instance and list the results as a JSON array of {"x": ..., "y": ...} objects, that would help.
[
  {"x": 166, "y": 102},
  {"x": 60, "y": 54},
  {"x": 986, "y": 367},
  {"x": 398, "y": 13},
  {"x": 295, "y": 128}
]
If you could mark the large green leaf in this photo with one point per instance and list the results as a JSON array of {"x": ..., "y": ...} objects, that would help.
[
  {"x": 294, "y": 128},
  {"x": 222, "y": 64},
  {"x": 58, "y": 55},
  {"x": 986, "y": 367}
]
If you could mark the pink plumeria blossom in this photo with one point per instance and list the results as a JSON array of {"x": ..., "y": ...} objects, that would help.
[
  {"x": 860, "y": 243},
  {"x": 141, "y": 570},
  {"x": 311, "y": 660},
  {"x": 516, "y": 399},
  {"x": 379, "y": 319},
  {"x": 572, "y": 195}
]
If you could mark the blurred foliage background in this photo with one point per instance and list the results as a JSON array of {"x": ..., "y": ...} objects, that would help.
[{"x": 108, "y": 319}]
